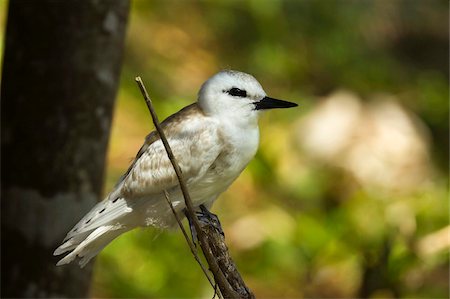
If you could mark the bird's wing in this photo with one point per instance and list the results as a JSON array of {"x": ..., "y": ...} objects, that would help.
[
  {"x": 153, "y": 172},
  {"x": 194, "y": 142}
]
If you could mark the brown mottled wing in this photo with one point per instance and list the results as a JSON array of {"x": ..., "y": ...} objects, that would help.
[
  {"x": 149, "y": 139},
  {"x": 194, "y": 142},
  {"x": 153, "y": 136}
]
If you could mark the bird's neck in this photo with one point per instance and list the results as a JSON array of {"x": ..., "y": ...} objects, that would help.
[{"x": 242, "y": 136}]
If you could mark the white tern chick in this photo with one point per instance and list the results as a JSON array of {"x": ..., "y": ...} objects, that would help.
[{"x": 213, "y": 140}]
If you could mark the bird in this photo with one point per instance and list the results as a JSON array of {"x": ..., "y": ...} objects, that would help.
[{"x": 212, "y": 140}]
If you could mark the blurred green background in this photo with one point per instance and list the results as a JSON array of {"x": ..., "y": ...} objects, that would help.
[
  {"x": 347, "y": 196},
  {"x": 369, "y": 218}
]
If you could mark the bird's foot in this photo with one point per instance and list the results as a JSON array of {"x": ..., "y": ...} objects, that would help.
[{"x": 206, "y": 218}]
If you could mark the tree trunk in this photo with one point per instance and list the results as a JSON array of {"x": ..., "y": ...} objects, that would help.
[{"x": 61, "y": 71}]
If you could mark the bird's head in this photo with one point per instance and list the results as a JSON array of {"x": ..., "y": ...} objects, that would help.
[{"x": 236, "y": 95}]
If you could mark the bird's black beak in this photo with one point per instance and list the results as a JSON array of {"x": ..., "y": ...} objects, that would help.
[{"x": 270, "y": 103}]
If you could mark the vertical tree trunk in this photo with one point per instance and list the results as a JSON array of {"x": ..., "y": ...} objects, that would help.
[{"x": 60, "y": 77}]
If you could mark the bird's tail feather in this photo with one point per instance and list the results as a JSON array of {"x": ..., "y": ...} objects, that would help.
[
  {"x": 106, "y": 220},
  {"x": 85, "y": 248},
  {"x": 103, "y": 213},
  {"x": 71, "y": 243}
]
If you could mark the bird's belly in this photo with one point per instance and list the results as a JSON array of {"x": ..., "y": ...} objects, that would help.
[
  {"x": 232, "y": 160},
  {"x": 209, "y": 188},
  {"x": 220, "y": 175},
  {"x": 156, "y": 212},
  {"x": 237, "y": 151}
]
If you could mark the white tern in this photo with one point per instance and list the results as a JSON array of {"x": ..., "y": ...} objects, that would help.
[{"x": 213, "y": 140}]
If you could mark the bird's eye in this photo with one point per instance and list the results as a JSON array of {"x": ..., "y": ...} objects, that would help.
[{"x": 236, "y": 92}]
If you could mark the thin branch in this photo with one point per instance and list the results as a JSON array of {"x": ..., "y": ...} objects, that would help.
[
  {"x": 191, "y": 245},
  {"x": 224, "y": 285}
]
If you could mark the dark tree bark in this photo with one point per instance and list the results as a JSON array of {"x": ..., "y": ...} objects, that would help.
[{"x": 60, "y": 77}]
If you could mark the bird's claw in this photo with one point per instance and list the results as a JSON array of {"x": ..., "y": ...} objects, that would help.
[{"x": 205, "y": 218}]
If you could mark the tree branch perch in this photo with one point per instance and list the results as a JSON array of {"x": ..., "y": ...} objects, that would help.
[{"x": 211, "y": 241}]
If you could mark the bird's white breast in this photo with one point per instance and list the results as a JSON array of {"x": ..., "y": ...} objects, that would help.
[
  {"x": 242, "y": 144},
  {"x": 237, "y": 147}
]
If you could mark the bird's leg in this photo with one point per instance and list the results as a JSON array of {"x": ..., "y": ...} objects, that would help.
[{"x": 208, "y": 218}]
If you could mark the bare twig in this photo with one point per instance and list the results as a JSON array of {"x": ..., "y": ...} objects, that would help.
[
  {"x": 191, "y": 245},
  {"x": 205, "y": 239}
]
